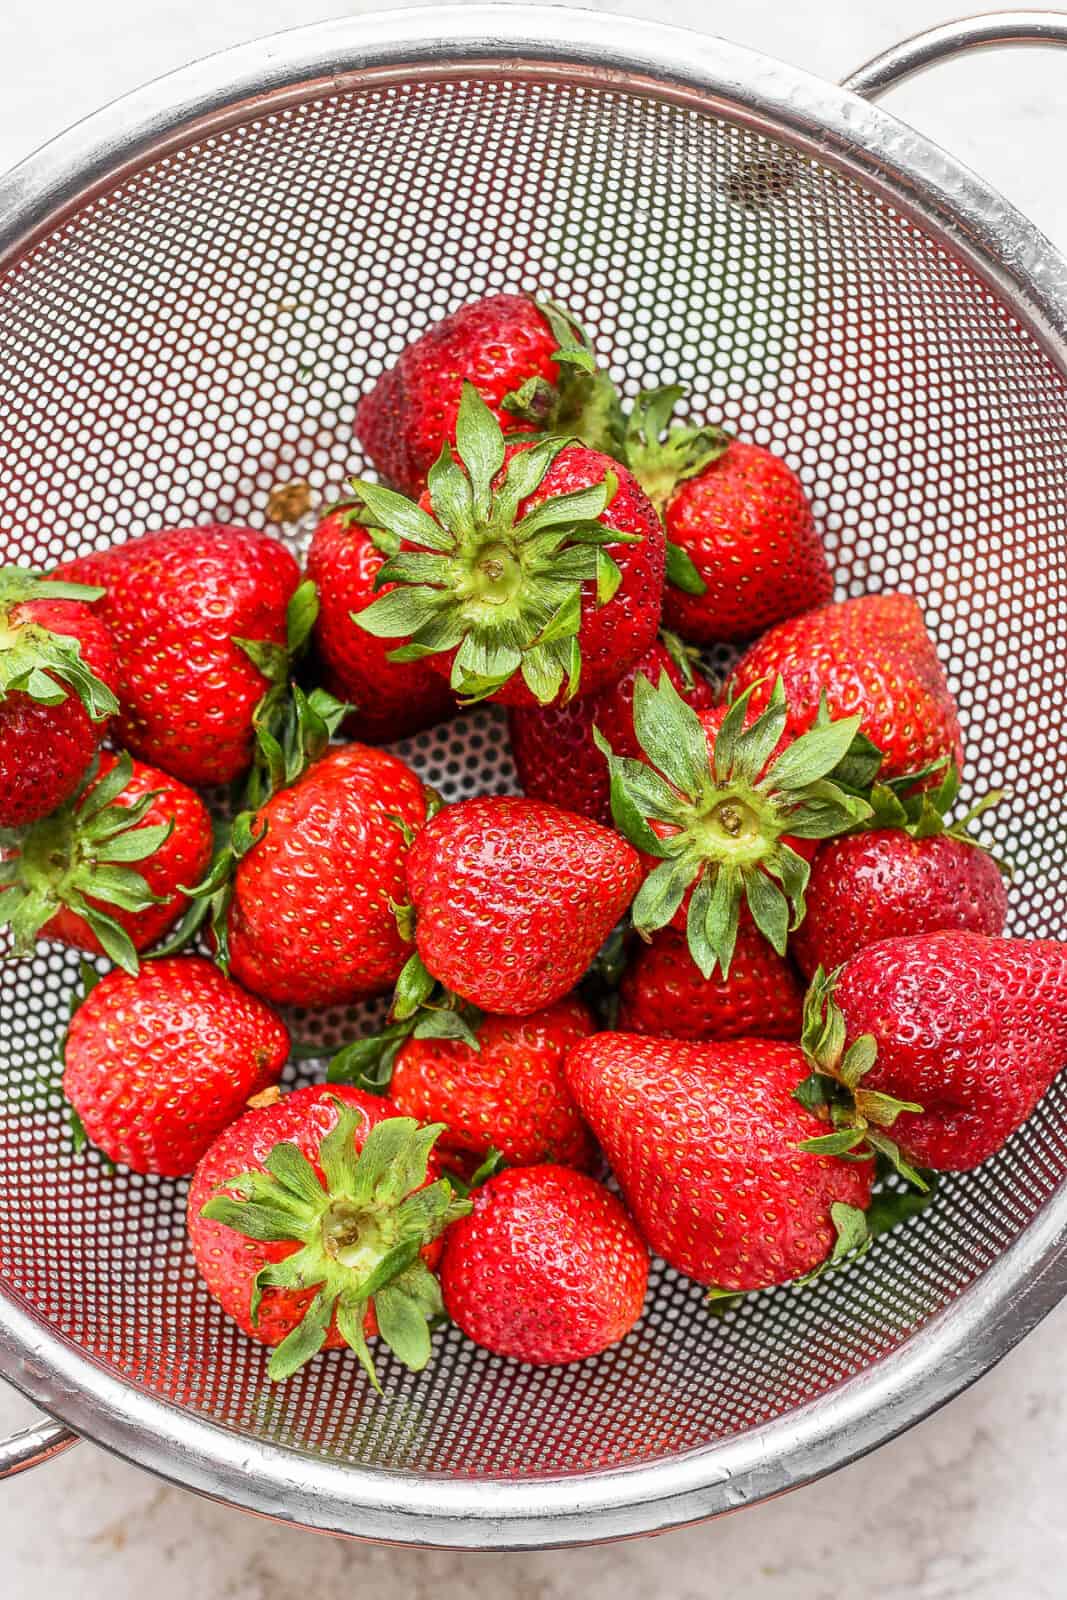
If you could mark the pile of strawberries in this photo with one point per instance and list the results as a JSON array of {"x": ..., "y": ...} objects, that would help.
[{"x": 729, "y": 943}]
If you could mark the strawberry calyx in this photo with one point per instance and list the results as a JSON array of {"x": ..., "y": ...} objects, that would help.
[
  {"x": 360, "y": 1226},
  {"x": 36, "y": 662},
  {"x": 662, "y": 456},
  {"x": 923, "y": 813},
  {"x": 503, "y": 592},
  {"x": 719, "y": 819},
  {"x": 583, "y": 402},
  {"x": 368, "y": 1062},
  {"x": 82, "y": 852}
]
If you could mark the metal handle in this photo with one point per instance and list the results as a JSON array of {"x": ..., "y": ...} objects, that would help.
[
  {"x": 34, "y": 1445},
  {"x": 924, "y": 50}
]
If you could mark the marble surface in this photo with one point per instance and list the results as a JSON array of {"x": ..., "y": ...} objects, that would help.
[{"x": 969, "y": 1504}]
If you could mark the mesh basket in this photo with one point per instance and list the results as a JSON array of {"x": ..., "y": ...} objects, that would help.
[{"x": 192, "y": 326}]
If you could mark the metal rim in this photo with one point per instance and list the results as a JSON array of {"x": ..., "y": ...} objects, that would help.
[{"x": 982, "y": 1325}]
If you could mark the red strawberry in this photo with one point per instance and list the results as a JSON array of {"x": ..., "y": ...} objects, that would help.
[
  {"x": 57, "y": 673},
  {"x": 528, "y": 361},
  {"x": 664, "y": 992},
  {"x": 159, "y": 1063},
  {"x": 703, "y": 1139},
  {"x": 555, "y": 754},
  {"x": 513, "y": 899},
  {"x": 392, "y": 698},
  {"x": 177, "y": 602},
  {"x": 547, "y": 1268},
  {"x": 953, "y": 1038},
  {"x": 742, "y": 550},
  {"x": 312, "y": 919},
  {"x": 528, "y": 573},
  {"x": 104, "y": 872},
  {"x": 304, "y": 1226},
  {"x": 509, "y": 1094},
  {"x": 870, "y": 656}
]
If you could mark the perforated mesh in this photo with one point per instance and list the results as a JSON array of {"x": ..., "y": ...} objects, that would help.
[{"x": 190, "y": 340}]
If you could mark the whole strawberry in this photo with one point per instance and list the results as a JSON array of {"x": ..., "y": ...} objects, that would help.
[
  {"x": 181, "y": 606},
  {"x": 742, "y": 549},
  {"x": 512, "y": 900},
  {"x": 312, "y": 919},
  {"x": 547, "y": 1268},
  {"x": 105, "y": 872},
  {"x": 315, "y": 1221},
  {"x": 57, "y": 674},
  {"x": 159, "y": 1063},
  {"x": 870, "y": 656},
  {"x": 528, "y": 574},
  {"x": 530, "y": 364},
  {"x": 703, "y": 1139},
  {"x": 664, "y": 992},
  {"x": 556, "y": 756}
]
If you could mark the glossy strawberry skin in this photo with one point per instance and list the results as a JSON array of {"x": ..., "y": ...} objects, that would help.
[
  {"x": 972, "y": 1029},
  {"x": 887, "y": 885},
  {"x": 553, "y": 749},
  {"x": 703, "y": 1140},
  {"x": 746, "y": 525},
  {"x": 175, "y": 602},
  {"x": 228, "y": 1261},
  {"x": 510, "y": 1095},
  {"x": 158, "y": 1064},
  {"x": 871, "y": 655},
  {"x": 548, "y": 1267},
  {"x": 393, "y": 699},
  {"x": 312, "y": 917},
  {"x": 663, "y": 992},
  {"x": 513, "y": 898},
  {"x": 496, "y": 344}
]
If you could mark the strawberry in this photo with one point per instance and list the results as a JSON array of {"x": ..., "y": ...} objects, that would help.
[
  {"x": 314, "y": 1224},
  {"x": 512, "y": 899},
  {"x": 555, "y": 754},
  {"x": 159, "y": 1063},
  {"x": 392, "y": 698},
  {"x": 528, "y": 361},
  {"x": 703, "y": 1139},
  {"x": 57, "y": 674},
  {"x": 527, "y": 573},
  {"x": 723, "y": 807},
  {"x": 188, "y": 609},
  {"x": 663, "y": 991},
  {"x": 870, "y": 656},
  {"x": 547, "y": 1268},
  {"x": 950, "y": 1039},
  {"x": 742, "y": 549},
  {"x": 104, "y": 872}
]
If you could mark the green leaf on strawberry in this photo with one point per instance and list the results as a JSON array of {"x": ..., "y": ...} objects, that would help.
[
  {"x": 662, "y": 456},
  {"x": 43, "y": 665}
]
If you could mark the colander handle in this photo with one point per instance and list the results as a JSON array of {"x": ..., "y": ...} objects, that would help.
[
  {"x": 34, "y": 1445},
  {"x": 924, "y": 50}
]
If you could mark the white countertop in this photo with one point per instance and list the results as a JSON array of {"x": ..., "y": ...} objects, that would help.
[{"x": 970, "y": 1503}]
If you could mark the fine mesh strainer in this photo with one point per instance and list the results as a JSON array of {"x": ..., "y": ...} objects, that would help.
[{"x": 194, "y": 287}]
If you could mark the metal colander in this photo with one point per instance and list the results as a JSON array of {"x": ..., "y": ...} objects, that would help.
[{"x": 194, "y": 288}]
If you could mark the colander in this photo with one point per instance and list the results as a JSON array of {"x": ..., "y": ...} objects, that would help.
[{"x": 196, "y": 284}]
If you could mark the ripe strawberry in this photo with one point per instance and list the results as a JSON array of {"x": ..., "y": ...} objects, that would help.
[
  {"x": 872, "y": 656},
  {"x": 392, "y": 698},
  {"x": 507, "y": 1092},
  {"x": 104, "y": 872},
  {"x": 547, "y": 1268},
  {"x": 664, "y": 992},
  {"x": 703, "y": 1139},
  {"x": 512, "y": 900},
  {"x": 528, "y": 573},
  {"x": 556, "y": 757},
  {"x": 159, "y": 1063},
  {"x": 528, "y": 361},
  {"x": 742, "y": 549},
  {"x": 57, "y": 673},
  {"x": 312, "y": 919},
  {"x": 305, "y": 1225},
  {"x": 952, "y": 1040},
  {"x": 181, "y": 606}
]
